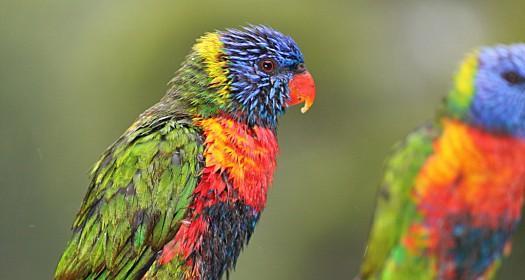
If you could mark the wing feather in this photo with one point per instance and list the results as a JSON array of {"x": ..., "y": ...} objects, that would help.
[
  {"x": 138, "y": 195},
  {"x": 395, "y": 210}
]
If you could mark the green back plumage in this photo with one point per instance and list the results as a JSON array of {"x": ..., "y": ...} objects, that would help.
[
  {"x": 139, "y": 192},
  {"x": 401, "y": 169},
  {"x": 142, "y": 185}
]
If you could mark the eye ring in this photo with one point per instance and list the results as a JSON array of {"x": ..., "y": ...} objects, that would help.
[
  {"x": 513, "y": 78},
  {"x": 300, "y": 68},
  {"x": 267, "y": 65}
]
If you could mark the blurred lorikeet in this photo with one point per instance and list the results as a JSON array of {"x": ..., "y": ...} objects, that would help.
[
  {"x": 178, "y": 195},
  {"x": 453, "y": 191}
]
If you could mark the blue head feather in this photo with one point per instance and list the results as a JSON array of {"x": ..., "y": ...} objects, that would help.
[
  {"x": 498, "y": 104},
  {"x": 258, "y": 97}
]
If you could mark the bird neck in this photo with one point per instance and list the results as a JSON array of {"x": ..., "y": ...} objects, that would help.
[
  {"x": 205, "y": 94},
  {"x": 193, "y": 88}
]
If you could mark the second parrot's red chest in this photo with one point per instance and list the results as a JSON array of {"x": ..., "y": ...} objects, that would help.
[
  {"x": 469, "y": 195},
  {"x": 473, "y": 172}
]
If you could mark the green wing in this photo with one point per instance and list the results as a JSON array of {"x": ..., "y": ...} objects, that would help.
[
  {"x": 139, "y": 192},
  {"x": 395, "y": 211}
]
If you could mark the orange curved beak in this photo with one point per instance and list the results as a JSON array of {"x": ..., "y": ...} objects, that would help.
[{"x": 302, "y": 89}]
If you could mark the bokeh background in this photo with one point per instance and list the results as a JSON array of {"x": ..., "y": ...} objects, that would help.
[{"x": 75, "y": 74}]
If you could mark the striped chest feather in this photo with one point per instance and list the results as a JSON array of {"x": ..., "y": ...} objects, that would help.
[{"x": 239, "y": 166}]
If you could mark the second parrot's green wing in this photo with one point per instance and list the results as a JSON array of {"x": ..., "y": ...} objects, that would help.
[
  {"x": 138, "y": 196},
  {"x": 395, "y": 210}
]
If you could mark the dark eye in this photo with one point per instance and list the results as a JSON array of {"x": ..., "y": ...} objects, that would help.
[
  {"x": 267, "y": 65},
  {"x": 300, "y": 68},
  {"x": 513, "y": 78}
]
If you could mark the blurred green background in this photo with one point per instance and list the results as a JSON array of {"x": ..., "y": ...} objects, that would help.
[{"x": 75, "y": 74}]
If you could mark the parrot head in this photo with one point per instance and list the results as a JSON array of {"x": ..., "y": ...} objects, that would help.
[
  {"x": 252, "y": 74},
  {"x": 489, "y": 90}
]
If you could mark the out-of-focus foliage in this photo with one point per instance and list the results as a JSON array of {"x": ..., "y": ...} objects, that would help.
[{"x": 74, "y": 74}]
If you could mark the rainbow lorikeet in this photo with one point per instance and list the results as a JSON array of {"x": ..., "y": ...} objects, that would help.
[
  {"x": 453, "y": 191},
  {"x": 178, "y": 195}
]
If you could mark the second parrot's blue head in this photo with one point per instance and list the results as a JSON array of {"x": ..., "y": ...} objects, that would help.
[{"x": 489, "y": 91}]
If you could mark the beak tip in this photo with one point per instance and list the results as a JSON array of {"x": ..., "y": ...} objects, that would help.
[{"x": 306, "y": 107}]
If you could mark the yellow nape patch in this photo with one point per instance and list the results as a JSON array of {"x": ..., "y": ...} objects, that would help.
[
  {"x": 464, "y": 80},
  {"x": 209, "y": 47}
]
